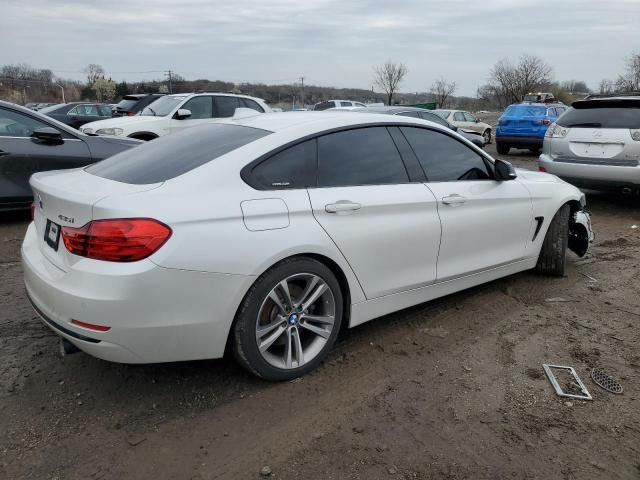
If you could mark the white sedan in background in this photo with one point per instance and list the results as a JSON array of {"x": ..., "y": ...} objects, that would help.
[
  {"x": 267, "y": 234},
  {"x": 173, "y": 113},
  {"x": 467, "y": 121}
]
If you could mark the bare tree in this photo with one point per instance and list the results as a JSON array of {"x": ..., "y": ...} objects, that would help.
[
  {"x": 606, "y": 86},
  {"x": 575, "y": 86},
  {"x": 511, "y": 82},
  {"x": 630, "y": 80},
  {"x": 93, "y": 71},
  {"x": 442, "y": 90},
  {"x": 389, "y": 76}
]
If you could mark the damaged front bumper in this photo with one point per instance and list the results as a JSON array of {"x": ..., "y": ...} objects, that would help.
[{"x": 580, "y": 232}]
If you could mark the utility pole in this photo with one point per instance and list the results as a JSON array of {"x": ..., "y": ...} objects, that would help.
[
  {"x": 61, "y": 88},
  {"x": 302, "y": 87},
  {"x": 169, "y": 73}
]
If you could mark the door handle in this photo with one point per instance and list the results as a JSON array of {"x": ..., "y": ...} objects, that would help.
[
  {"x": 454, "y": 200},
  {"x": 342, "y": 207}
]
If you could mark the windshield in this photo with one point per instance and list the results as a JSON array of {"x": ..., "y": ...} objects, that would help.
[
  {"x": 442, "y": 113},
  {"x": 163, "y": 106},
  {"x": 127, "y": 103},
  {"x": 608, "y": 117},
  {"x": 51, "y": 108}
]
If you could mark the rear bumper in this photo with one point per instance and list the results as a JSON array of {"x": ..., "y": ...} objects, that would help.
[
  {"x": 525, "y": 142},
  {"x": 156, "y": 314},
  {"x": 608, "y": 177}
]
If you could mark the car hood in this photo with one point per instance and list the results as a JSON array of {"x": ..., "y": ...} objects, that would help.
[
  {"x": 121, "y": 122},
  {"x": 532, "y": 176}
]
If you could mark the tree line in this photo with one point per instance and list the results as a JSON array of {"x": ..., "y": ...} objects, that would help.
[{"x": 507, "y": 82}]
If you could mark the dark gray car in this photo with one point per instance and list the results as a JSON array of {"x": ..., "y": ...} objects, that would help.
[
  {"x": 31, "y": 142},
  {"x": 415, "y": 112}
]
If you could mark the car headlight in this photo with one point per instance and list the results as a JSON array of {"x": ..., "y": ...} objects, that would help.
[
  {"x": 556, "y": 131},
  {"x": 88, "y": 131},
  {"x": 109, "y": 131}
]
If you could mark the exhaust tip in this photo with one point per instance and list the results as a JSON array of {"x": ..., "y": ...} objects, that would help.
[{"x": 67, "y": 348}]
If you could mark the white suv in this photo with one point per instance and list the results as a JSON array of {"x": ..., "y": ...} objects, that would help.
[
  {"x": 173, "y": 113},
  {"x": 335, "y": 104}
]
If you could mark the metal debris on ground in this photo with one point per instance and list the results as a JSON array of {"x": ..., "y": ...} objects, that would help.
[
  {"x": 601, "y": 378},
  {"x": 571, "y": 387}
]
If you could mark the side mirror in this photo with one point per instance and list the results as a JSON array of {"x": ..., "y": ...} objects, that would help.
[
  {"x": 504, "y": 170},
  {"x": 182, "y": 113},
  {"x": 47, "y": 135}
]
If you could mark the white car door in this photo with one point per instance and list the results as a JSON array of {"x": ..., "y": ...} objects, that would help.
[
  {"x": 471, "y": 123},
  {"x": 201, "y": 108},
  {"x": 485, "y": 223},
  {"x": 386, "y": 226},
  {"x": 459, "y": 120}
]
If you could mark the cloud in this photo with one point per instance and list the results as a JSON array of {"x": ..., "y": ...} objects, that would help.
[{"x": 331, "y": 42}]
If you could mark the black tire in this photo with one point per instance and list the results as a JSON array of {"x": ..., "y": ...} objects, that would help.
[
  {"x": 535, "y": 150},
  {"x": 553, "y": 254},
  {"x": 143, "y": 136},
  {"x": 487, "y": 136},
  {"x": 245, "y": 346},
  {"x": 503, "y": 148}
]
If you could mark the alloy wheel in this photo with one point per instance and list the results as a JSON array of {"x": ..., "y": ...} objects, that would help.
[{"x": 295, "y": 321}]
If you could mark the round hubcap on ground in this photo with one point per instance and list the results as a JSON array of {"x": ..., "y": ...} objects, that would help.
[{"x": 295, "y": 321}]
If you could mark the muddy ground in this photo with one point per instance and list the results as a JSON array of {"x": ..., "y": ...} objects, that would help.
[{"x": 452, "y": 389}]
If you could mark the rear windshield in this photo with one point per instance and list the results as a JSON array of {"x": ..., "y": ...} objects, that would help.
[
  {"x": 175, "y": 154},
  {"x": 526, "y": 110},
  {"x": 602, "y": 116},
  {"x": 127, "y": 103}
]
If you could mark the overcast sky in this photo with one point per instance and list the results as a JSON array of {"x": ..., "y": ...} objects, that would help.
[{"x": 330, "y": 42}]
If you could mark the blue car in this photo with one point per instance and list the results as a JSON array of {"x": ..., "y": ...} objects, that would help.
[{"x": 523, "y": 125}]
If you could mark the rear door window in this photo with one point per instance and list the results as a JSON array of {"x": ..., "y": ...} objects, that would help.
[
  {"x": 362, "y": 156},
  {"x": 443, "y": 158},
  {"x": 172, "y": 155},
  {"x": 604, "y": 117},
  {"x": 248, "y": 103},
  {"x": 293, "y": 167},
  {"x": 226, "y": 106}
]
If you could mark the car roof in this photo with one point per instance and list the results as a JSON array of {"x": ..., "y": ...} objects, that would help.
[
  {"x": 392, "y": 109},
  {"x": 313, "y": 121},
  {"x": 223, "y": 94}
]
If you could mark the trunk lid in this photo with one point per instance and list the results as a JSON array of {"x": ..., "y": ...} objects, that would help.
[
  {"x": 596, "y": 146},
  {"x": 65, "y": 198}
]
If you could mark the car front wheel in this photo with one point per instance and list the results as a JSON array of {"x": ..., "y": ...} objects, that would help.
[
  {"x": 553, "y": 254},
  {"x": 487, "y": 137},
  {"x": 289, "y": 320},
  {"x": 503, "y": 148}
]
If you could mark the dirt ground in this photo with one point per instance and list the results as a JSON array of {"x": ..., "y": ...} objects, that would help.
[{"x": 452, "y": 389}]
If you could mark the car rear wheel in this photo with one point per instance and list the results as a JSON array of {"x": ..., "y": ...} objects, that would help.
[
  {"x": 535, "y": 150},
  {"x": 503, "y": 148},
  {"x": 553, "y": 254},
  {"x": 487, "y": 137},
  {"x": 289, "y": 320}
]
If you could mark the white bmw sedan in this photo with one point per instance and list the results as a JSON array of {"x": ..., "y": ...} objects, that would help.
[{"x": 267, "y": 234}]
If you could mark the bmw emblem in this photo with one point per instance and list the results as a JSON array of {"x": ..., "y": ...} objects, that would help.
[{"x": 293, "y": 319}]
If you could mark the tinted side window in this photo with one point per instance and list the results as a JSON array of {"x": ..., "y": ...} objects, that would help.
[
  {"x": 226, "y": 106},
  {"x": 363, "y": 156},
  {"x": 443, "y": 158},
  {"x": 409, "y": 114},
  {"x": 293, "y": 167},
  {"x": 432, "y": 117},
  {"x": 200, "y": 107},
  {"x": 14, "y": 124},
  {"x": 246, "y": 103},
  {"x": 324, "y": 105}
]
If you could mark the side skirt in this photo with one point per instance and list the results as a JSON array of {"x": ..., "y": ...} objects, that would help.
[{"x": 377, "y": 307}]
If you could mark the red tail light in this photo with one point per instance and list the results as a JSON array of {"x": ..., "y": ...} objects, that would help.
[
  {"x": 541, "y": 169},
  {"x": 33, "y": 211},
  {"x": 116, "y": 240},
  {"x": 91, "y": 326},
  {"x": 130, "y": 114},
  {"x": 544, "y": 121}
]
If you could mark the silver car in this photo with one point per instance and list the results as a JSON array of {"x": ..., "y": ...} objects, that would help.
[{"x": 596, "y": 144}]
